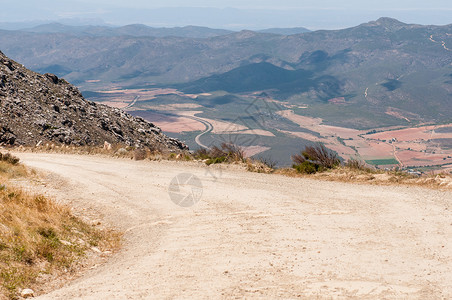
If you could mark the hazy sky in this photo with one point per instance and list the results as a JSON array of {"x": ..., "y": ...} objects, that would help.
[
  {"x": 280, "y": 4},
  {"x": 234, "y": 14}
]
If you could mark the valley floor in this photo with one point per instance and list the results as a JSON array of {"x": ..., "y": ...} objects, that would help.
[{"x": 254, "y": 235}]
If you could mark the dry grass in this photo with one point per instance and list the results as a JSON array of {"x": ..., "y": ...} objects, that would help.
[
  {"x": 258, "y": 166},
  {"x": 38, "y": 236},
  {"x": 9, "y": 171},
  {"x": 352, "y": 171},
  {"x": 8, "y": 158},
  {"x": 117, "y": 150},
  {"x": 377, "y": 177}
]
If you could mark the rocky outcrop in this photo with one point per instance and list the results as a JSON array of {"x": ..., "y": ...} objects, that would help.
[{"x": 36, "y": 108}]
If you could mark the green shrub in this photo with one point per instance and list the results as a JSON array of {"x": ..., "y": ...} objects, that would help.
[
  {"x": 201, "y": 153},
  {"x": 322, "y": 156},
  {"x": 314, "y": 159},
  {"x": 234, "y": 152},
  {"x": 307, "y": 167},
  {"x": 216, "y": 160},
  {"x": 224, "y": 153}
]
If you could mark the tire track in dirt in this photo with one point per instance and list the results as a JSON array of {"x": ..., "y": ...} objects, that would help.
[{"x": 254, "y": 235}]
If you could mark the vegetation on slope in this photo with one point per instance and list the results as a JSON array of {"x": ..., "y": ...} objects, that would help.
[
  {"x": 317, "y": 161},
  {"x": 39, "y": 237}
]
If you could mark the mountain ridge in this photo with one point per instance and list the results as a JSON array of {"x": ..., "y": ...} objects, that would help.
[
  {"x": 38, "y": 108},
  {"x": 141, "y": 30},
  {"x": 377, "y": 66},
  {"x": 135, "y": 30}
]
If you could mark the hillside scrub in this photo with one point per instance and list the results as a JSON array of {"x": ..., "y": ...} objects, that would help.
[
  {"x": 227, "y": 152},
  {"x": 112, "y": 150},
  {"x": 10, "y": 167},
  {"x": 353, "y": 170},
  {"x": 369, "y": 175},
  {"x": 8, "y": 158},
  {"x": 39, "y": 237},
  {"x": 315, "y": 159}
]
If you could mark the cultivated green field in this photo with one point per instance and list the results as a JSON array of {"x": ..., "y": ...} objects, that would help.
[{"x": 382, "y": 162}]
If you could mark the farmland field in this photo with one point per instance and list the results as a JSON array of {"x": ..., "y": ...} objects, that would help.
[
  {"x": 382, "y": 162},
  {"x": 278, "y": 129}
]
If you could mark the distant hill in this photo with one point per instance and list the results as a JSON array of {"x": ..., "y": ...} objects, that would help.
[
  {"x": 285, "y": 31},
  {"x": 18, "y": 25},
  {"x": 263, "y": 76},
  {"x": 38, "y": 108},
  {"x": 399, "y": 72},
  {"x": 136, "y": 30},
  {"x": 139, "y": 30}
]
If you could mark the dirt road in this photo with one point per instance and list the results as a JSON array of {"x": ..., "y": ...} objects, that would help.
[
  {"x": 255, "y": 235},
  {"x": 208, "y": 129}
]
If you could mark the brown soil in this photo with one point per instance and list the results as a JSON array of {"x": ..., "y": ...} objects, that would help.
[{"x": 255, "y": 235}]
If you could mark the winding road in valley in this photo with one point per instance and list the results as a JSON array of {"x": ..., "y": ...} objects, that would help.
[
  {"x": 209, "y": 126},
  {"x": 208, "y": 129},
  {"x": 133, "y": 102},
  {"x": 253, "y": 235}
]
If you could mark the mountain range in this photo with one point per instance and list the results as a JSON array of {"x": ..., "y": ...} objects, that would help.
[
  {"x": 135, "y": 30},
  {"x": 138, "y": 30},
  {"x": 392, "y": 72}
]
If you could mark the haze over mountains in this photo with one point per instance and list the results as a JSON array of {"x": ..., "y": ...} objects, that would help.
[
  {"x": 137, "y": 30},
  {"x": 388, "y": 71},
  {"x": 229, "y": 14}
]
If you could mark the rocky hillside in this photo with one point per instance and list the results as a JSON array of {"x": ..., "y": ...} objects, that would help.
[{"x": 38, "y": 108}]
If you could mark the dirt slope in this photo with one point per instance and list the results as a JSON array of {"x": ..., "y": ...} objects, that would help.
[{"x": 255, "y": 235}]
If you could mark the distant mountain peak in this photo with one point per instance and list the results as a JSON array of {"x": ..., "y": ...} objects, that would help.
[
  {"x": 387, "y": 22},
  {"x": 285, "y": 31},
  {"x": 246, "y": 34},
  {"x": 135, "y": 26}
]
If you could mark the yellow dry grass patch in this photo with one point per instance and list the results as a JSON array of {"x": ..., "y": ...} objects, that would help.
[
  {"x": 39, "y": 236},
  {"x": 377, "y": 177},
  {"x": 115, "y": 150}
]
